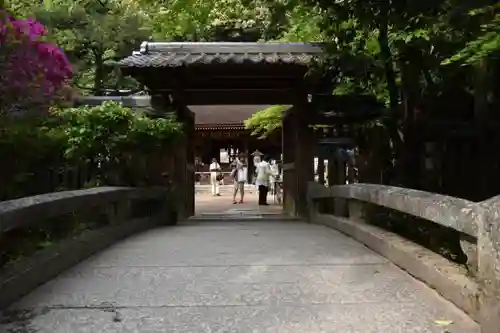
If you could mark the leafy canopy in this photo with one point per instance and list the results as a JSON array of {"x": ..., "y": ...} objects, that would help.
[
  {"x": 108, "y": 130},
  {"x": 265, "y": 122}
]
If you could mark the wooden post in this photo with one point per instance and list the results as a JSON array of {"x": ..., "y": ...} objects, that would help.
[
  {"x": 321, "y": 169},
  {"x": 332, "y": 172},
  {"x": 190, "y": 169},
  {"x": 304, "y": 155},
  {"x": 164, "y": 104},
  {"x": 184, "y": 163},
  {"x": 288, "y": 143}
]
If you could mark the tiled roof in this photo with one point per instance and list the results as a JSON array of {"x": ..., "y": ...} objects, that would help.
[{"x": 182, "y": 54}]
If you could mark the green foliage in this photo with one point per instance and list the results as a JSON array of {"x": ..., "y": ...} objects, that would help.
[
  {"x": 104, "y": 133},
  {"x": 487, "y": 43},
  {"x": 223, "y": 20},
  {"x": 32, "y": 146},
  {"x": 362, "y": 34},
  {"x": 94, "y": 33},
  {"x": 265, "y": 122},
  {"x": 106, "y": 144}
]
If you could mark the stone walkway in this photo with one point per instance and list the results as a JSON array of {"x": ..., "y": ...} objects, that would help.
[
  {"x": 240, "y": 275},
  {"x": 206, "y": 204}
]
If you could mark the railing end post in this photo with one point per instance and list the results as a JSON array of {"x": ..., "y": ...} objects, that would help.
[{"x": 488, "y": 251}]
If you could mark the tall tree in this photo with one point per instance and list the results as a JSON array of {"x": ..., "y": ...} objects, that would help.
[{"x": 93, "y": 33}]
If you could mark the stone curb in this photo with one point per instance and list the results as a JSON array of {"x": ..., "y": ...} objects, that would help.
[
  {"x": 19, "y": 279},
  {"x": 447, "y": 278}
]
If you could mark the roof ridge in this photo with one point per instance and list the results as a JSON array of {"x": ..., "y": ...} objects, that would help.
[{"x": 231, "y": 47}]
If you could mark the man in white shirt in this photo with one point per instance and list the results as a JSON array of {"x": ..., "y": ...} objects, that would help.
[
  {"x": 214, "y": 172},
  {"x": 263, "y": 175},
  {"x": 240, "y": 178}
]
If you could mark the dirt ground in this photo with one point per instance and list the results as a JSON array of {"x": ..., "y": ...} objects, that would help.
[{"x": 207, "y": 203}]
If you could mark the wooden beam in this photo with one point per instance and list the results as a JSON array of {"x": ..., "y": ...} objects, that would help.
[
  {"x": 238, "y": 97},
  {"x": 163, "y": 78},
  {"x": 241, "y": 83}
]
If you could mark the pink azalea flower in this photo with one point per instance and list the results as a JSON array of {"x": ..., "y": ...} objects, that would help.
[{"x": 31, "y": 70}]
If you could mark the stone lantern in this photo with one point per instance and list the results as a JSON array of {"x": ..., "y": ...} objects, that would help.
[{"x": 257, "y": 157}]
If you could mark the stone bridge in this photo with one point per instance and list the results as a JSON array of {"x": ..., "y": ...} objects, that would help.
[{"x": 125, "y": 261}]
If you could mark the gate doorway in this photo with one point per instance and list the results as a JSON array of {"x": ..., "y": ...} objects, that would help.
[{"x": 182, "y": 75}]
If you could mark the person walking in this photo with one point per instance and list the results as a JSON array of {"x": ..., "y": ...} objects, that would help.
[
  {"x": 215, "y": 169},
  {"x": 240, "y": 176},
  {"x": 263, "y": 174}
]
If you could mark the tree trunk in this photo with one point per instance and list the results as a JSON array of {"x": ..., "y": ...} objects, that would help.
[
  {"x": 410, "y": 157},
  {"x": 390, "y": 75},
  {"x": 99, "y": 72}
]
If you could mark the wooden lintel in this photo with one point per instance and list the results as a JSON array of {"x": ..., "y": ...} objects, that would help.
[{"x": 238, "y": 97}]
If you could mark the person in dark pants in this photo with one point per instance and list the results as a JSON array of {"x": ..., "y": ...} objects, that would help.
[
  {"x": 263, "y": 190},
  {"x": 263, "y": 177}
]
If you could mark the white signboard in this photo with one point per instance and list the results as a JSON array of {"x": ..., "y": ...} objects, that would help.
[{"x": 223, "y": 156}]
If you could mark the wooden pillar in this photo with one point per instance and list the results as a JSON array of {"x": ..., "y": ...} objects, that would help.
[
  {"x": 332, "y": 171},
  {"x": 182, "y": 173},
  {"x": 184, "y": 162},
  {"x": 321, "y": 169},
  {"x": 304, "y": 155},
  {"x": 190, "y": 167},
  {"x": 341, "y": 172},
  {"x": 288, "y": 163},
  {"x": 161, "y": 106},
  {"x": 298, "y": 156}
]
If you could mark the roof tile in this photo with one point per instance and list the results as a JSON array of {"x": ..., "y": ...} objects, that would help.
[{"x": 182, "y": 54}]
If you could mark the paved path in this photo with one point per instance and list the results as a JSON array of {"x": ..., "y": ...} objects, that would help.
[
  {"x": 207, "y": 204},
  {"x": 235, "y": 276}
]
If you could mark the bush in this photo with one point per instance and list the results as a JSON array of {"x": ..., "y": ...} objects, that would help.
[
  {"x": 83, "y": 147},
  {"x": 115, "y": 140},
  {"x": 31, "y": 149}
]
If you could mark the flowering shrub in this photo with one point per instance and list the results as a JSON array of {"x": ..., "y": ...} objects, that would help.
[{"x": 32, "y": 71}]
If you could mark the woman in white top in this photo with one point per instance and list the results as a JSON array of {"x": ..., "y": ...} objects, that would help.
[
  {"x": 240, "y": 178},
  {"x": 214, "y": 171}
]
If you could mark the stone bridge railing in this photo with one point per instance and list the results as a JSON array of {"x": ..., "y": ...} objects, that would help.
[
  {"x": 476, "y": 291},
  {"x": 47, "y": 234}
]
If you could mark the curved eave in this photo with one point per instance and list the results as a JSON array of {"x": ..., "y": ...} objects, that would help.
[{"x": 173, "y": 55}]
